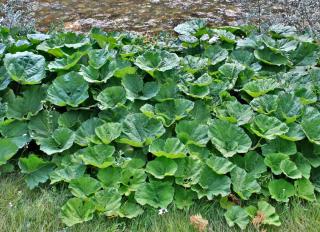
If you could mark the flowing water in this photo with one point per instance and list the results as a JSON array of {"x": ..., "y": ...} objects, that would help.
[{"x": 132, "y": 15}]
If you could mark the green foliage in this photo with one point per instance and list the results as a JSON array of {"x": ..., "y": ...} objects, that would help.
[{"x": 128, "y": 124}]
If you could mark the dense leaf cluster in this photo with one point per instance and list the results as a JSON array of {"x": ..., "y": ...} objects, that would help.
[{"x": 218, "y": 113}]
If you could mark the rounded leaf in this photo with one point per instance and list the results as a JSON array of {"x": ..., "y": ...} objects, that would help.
[
  {"x": 192, "y": 132},
  {"x": 237, "y": 216},
  {"x": 69, "y": 89},
  {"x": 158, "y": 194},
  {"x": 268, "y": 127},
  {"x": 26, "y": 68},
  {"x": 161, "y": 167},
  {"x": 77, "y": 211},
  {"x": 108, "y": 132},
  {"x": 161, "y": 61},
  {"x": 228, "y": 138},
  {"x": 281, "y": 190},
  {"x": 171, "y": 148},
  {"x": 111, "y": 97},
  {"x": 7, "y": 150},
  {"x": 84, "y": 186},
  {"x": 61, "y": 140},
  {"x": 100, "y": 156},
  {"x": 139, "y": 130}
]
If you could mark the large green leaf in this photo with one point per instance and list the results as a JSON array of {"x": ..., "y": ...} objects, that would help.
[
  {"x": 76, "y": 211},
  {"x": 110, "y": 177},
  {"x": 228, "y": 138},
  {"x": 100, "y": 156},
  {"x": 243, "y": 183},
  {"x": 108, "y": 201},
  {"x": 137, "y": 89},
  {"x": 281, "y": 190},
  {"x": 73, "y": 119},
  {"x": 68, "y": 89},
  {"x": 111, "y": 97},
  {"x": 61, "y": 140},
  {"x": 130, "y": 210},
  {"x": 108, "y": 132},
  {"x": 220, "y": 165},
  {"x": 139, "y": 130},
  {"x": 268, "y": 127},
  {"x": 36, "y": 170},
  {"x": 191, "y": 27},
  {"x": 86, "y": 133},
  {"x": 26, "y": 68},
  {"x": 192, "y": 132},
  {"x": 119, "y": 68},
  {"x": 98, "y": 57},
  {"x": 216, "y": 54},
  {"x": 303, "y": 165},
  {"x": 252, "y": 162},
  {"x": 4, "y": 78},
  {"x": 158, "y": 194},
  {"x": 311, "y": 125},
  {"x": 171, "y": 148},
  {"x": 194, "y": 64},
  {"x": 237, "y": 216},
  {"x": 273, "y": 161},
  {"x": 15, "y": 130},
  {"x": 56, "y": 44},
  {"x": 295, "y": 133},
  {"x": 188, "y": 172},
  {"x": 306, "y": 54},
  {"x": 235, "y": 112},
  {"x": 43, "y": 124},
  {"x": 84, "y": 186},
  {"x": 157, "y": 60},
  {"x": 290, "y": 169},
  {"x": 161, "y": 167},
  {"x": 174, "y": 110},
  {"x": 265, "y": 104},
  {"x": 213, "y": 183},
  {"x": 27, "y": 105},
  {"x": 289, "y": 107},
  {"x": 65, "y": 63},
  {"x": 132, "y": 179},
  {"x": 305, "y": 189},
  {"x": 68, "y": 173},
  {"x": 183, "y": 198},
  {"x": 267, "y": 56},
  {"x": 257, "y": 88},
  {"x": 7, "y": 150},
  {"x": 279, "y": 146}
]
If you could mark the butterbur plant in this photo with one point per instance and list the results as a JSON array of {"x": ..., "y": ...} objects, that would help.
[
  {"x": 18, "y": 14},
  {"x": 129, "y": 126}
]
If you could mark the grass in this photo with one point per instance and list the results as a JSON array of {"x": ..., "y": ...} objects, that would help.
[{"x": 38, "y": 211}]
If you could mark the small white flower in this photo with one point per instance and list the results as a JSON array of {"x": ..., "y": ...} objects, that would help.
[
  {"x": 10, "y": 205},
  {"x": 163, "y": 211}
]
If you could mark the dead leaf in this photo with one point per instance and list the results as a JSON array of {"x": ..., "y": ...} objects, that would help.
[
  {"x": 199, "y": 222},
  {"x": 234, "y": 199},
  {"x": 258, "y": 219}
]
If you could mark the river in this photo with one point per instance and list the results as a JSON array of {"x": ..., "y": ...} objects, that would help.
[{"x": 132, "y": 15}]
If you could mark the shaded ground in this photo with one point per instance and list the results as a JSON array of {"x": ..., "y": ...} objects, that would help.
[{"x": 38, "y": 210}]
